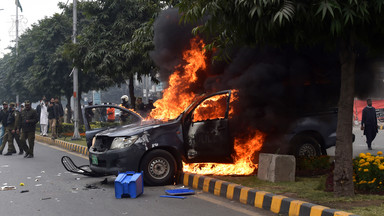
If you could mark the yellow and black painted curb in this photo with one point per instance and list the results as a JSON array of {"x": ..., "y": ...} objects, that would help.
[
  {"x": 381, "y": 127},
  {"x": 261, "y": 199},
  {"x": 63, "y": 144}
]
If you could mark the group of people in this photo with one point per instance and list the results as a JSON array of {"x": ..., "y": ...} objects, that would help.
[
  {"x": 51, "y": 116},
  {"x": 108, "y": 114},
  {"x": 19, "y": 126}
]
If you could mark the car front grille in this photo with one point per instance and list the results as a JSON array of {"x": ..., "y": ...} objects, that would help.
[{"x": 102, "y": 143}]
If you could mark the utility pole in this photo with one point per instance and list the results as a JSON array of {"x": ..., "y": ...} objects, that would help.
[
  {"x": 17, "y": 45},
  {"x": 76, "y": 134}
]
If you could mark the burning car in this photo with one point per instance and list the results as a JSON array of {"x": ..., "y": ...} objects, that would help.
[
  {"x": 201, "y": 133},
  {"x": 158, "y": 148}
]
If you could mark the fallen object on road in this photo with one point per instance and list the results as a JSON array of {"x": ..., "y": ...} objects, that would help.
[
  {"x": 6, "y": 188},
  {"x": 176, "y": 192},
  {"x": 169, "y": 196},
  {"x": 71, "y": 167},
  {"x": 129, "y": 183}
]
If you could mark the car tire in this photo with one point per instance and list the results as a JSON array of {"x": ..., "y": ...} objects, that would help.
[
  {"x": 306, "y": 146},
  {"x": 159, "y": 168}
]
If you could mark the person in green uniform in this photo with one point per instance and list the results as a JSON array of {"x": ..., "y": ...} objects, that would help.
[
  {"x": 11, "y": 130},
  {"x": 3, "y": 117},
  {"x": 28, "y": 120}
]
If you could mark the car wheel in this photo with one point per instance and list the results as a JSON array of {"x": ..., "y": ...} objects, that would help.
[
  {"x": 159, "y": 168},
  {"x": 306, "y": 146}
]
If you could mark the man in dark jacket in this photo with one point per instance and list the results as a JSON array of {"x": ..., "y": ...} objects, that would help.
[
  {"x": 369, "y": 123},
  {"x": 28, "y": 120}
]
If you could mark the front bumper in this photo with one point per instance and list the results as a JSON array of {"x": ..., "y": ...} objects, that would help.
[{"x": 112, "y": 162}]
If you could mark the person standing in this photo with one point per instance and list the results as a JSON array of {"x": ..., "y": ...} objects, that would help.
[
  {"x": 369, "y": 123},
  {"x": 52, "y": 118},
  {"x": 38, "y": 110},
  {"x": 43, "y": 118},
  {"x": 124, "y": 114},
  {"x": 3, "y": 121},
  {"x": 111, "y": 114},
  {"x": 27, "y": 125},
  {"x": 11, "y": 130},
  {"x": 60, "y": 120}
]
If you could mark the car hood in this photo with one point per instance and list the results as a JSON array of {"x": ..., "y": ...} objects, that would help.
[{"x": 133, "y": 129}]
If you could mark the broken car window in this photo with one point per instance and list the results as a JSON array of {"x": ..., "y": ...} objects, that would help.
[{"x": 211, "y": 108}]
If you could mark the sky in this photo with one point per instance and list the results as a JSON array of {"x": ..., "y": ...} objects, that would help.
[{"x": 33, "y": 10}]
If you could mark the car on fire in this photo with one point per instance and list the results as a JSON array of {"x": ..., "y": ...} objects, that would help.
[{"x": 158, "y": 148}]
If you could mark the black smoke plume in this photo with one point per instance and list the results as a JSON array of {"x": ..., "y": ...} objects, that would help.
[{"x": 276, "y": 86}]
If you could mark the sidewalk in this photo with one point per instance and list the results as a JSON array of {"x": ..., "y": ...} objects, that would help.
[{"x": 278, "y": 204}]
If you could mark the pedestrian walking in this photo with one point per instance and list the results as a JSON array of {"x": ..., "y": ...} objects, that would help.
[
  {"x": 43, "y": 118},
  {"x": 369, "y": 123},
  {"x": 27, "y": 126}
]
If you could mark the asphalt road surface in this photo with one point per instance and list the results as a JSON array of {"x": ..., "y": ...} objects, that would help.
[
  {"x": 360, "y": 145},
  {"x": 50, "y": 190}
]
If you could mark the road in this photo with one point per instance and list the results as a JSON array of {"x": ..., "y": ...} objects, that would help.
[
  {"x": 54, "y": 191},
  {"x": 360, "y": 144}
]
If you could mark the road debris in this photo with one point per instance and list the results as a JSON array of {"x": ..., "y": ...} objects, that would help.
[
  {"x": 6, "y": 188},
  {"x": 105, "y": 181},
  {"x": 169, "y": 196},
  {"x": 175, "y": 192},
  {"x": 24, "y": 191},
  {"x": 38, "y": 185},
  {"x": 90, "y": 186},
  {"x": 21, "y": 184},
  {"x": 46, "y": 198}
]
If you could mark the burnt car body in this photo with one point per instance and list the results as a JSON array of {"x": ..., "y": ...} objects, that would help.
[{"x": 158, "y": 148}]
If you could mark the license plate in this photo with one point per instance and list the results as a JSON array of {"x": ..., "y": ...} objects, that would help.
[{"x": 94, "y": 160}]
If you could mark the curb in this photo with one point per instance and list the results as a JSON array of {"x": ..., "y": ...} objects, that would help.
[
  {"x": 260, "y": 199},
  {"x": 63, "y": 144}
]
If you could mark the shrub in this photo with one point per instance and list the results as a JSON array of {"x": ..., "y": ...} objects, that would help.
[
  {"x": 313, "y": 163},
  {"x": 369, "y": 172}
]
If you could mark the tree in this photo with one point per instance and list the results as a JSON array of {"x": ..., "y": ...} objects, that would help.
[
  {"x": 338, "y": 25},
  {"x": 112, "y": 24}
]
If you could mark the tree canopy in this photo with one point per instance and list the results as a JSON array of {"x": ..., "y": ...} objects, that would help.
[{"x": 335, "y": 24}]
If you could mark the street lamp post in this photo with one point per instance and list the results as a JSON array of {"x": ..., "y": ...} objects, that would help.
[{"x": 76, "y": 134}]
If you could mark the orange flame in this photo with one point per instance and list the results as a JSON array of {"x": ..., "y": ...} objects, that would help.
[
  {"x": 245, "y": 149},
  {"x": 177, "y": 97}
]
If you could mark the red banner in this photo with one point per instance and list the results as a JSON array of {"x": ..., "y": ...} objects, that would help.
[{"x": 360, "y": 104}]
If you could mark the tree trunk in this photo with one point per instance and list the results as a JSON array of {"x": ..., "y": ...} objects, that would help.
[
  {"x": 132, "y": 92},
  {"x": 343, "y": 173}
]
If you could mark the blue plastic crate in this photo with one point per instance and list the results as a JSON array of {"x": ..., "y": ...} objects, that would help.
[{"x": 129, "y": 184}]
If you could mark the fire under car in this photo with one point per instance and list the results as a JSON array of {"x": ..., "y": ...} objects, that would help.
[{"x": 158, "y": 148}]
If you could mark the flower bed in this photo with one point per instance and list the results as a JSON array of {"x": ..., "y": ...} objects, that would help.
[{"x": 369, "y": 172}]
